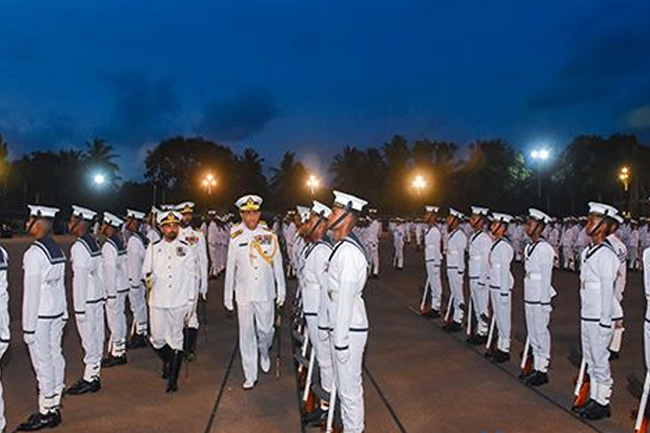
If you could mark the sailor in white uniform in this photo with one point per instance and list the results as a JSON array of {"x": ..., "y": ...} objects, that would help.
[
  {"x": 456, "y": 246},
  {"x": 347, "y": 273},
  {"x": 135, "y": 249},
  {"x": 170, "y": 272},
  {"x": 599, "y": 265},
  {"x": 5, "y": 334},
  {"x": 116, "y": 283},
  {"x": 374, "y": 235},
  {"x": 255, "y": 280},
  {"x": 45, "y": 312},
  {"x": 501, "y": 283},
  {"x": 433, "y": 259},
  {"x": 539, "y": 258},
  {"x": 88, "y": 298},
  {"x": 479, "y": 245},
  {"x": 619, "y": 286}
]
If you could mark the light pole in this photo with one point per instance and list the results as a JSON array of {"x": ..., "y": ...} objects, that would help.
[
  {"x": 313, "y": 183},
  {"x": 419, "y": 183},
  {"x": 539, "y": 155},
  {"x": 209, "y": 182}
]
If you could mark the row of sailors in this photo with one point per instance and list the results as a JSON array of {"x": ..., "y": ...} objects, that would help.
[
  {"x": 172, "y": 270},
  {"x": 489, "y": 257}
]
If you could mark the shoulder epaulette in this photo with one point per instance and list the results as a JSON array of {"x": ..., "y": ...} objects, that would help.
[{"x": 236, "y": 233}]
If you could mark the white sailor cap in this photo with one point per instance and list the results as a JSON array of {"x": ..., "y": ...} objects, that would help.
[
  {"x": 431, "y": 209},
  {"x": 137, "y": 215},
  {"x": 83, "y": 213},
  {"x": 602, "y": 209},
  {"x": 154, "y": 210},
  {"x": 303, "y": 213},
  {"x": 499, "y": 217},
  {"x": 453, "y": 212},
  {"x": 479, "y": 210},
  {"x": 112, "y": 220},
  {"x": 249, "y": 202},
  {"x": 166, "y": 207},
  {"x": 539, "y": 215},
  {"x": 618, "y": 218},
  {"x": 320, "y": 209},
  {"x": 345, "y": 200},
  {"x": 185, "y": 207},
  {"x": 169, "y": 217},
  {"x": 38, "y": 211}
]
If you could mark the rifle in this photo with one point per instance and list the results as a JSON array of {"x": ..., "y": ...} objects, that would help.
[
  {"x": 424, "y": 296},
  {"x": 581, "y": 390},
  {"x": 641, "y": 423}
]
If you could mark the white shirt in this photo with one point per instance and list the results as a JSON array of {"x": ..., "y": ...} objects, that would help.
[
  {"x": 87, "y": 273},
  {"x": 432, "y": 245},
  {"x": 195, "y": 239},
  {"x": 538, "y": 265},
  {"x": 135, "y": 251},
  {"x": 116, "y": 277},
  {"x": 501, "y": 255},
  {"x": 456, "y": 245},
  {"x": 5, "y": 334},
  {"x": 479, "y": 253},
  {"x": 597, "y": 275}
]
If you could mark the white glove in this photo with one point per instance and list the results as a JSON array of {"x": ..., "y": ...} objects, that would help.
[
  {"x": 229, "y": 306},
  {"x": 204, "y": 296},
  {"x": 279, "y": 301},
  {"x": 3, "y": 348},
  {"x": 343, "y": 356},
  {"x": 29, "y": 338}
]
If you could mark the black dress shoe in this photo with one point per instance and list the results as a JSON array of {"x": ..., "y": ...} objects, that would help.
[
  {"x": 432, "y": 314},
  {"x": 453, "y": 327},
  {"x": 313, "y": 419},
  {"x": 537, "y": 379},
  {"x": 138, "y": 341},
  {"x": 596, "y": 411},
  {"x": 38, "y": 421},
  {"x": 174, "y": 369},
  {"x": 500, "y": 357},
  {"x": 83, "y": 387},
  {"x": 113, "y": 361},
  {"x": 477, "y": 340}
]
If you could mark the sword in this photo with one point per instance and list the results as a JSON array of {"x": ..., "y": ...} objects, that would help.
[
  {"x": 424, "y": 295},
  {"x": 642, "y": 404},
  {"x": 524, "y": 357},
  {"x": 469, "y": 317},
  {"x": 493, "y": 323},
  {"x": 331, "y": 409},
  {"x": 278, "y": 323}
]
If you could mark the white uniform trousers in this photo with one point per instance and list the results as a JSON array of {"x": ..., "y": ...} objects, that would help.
[
  {"x": 646, "y": 343},
  {"x": 139, "y": 308},
  {"x": 374, "y": 258},
  {"x": 349, "y": 384},
  {"x": 3, "y": 421},
  {"x": 537, "y": 320},
  {"x": 48, "y": 362},
  {"x": 435, "y": 284},
  {"x": 633, "y": 257},
  {"x": 568, "y": 258},
  {"x": 323, "y": 352},
  {"x": 595, "y": 341},
  {"x": 91, "y": 329},
  {"x": 167, "y": 327},
  {"x": 193, "y": 318},
  {"x": 398, "y": 260},
  {"x": 480, "y": 294},
  {"x": 456, "y": 287},
  {"x": 501, "y": 304},
  {"x": 255, "y": 334},
  {"x": 116, "y": 320}
]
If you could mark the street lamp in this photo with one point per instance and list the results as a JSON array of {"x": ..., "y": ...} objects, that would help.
[
  {"x": 209, "y": 182},
  {"x": 624, "y": 176},
  {"x": 99, "y": 179},
  {"x": 419, "y": 184},
  {"x": 312, "y": 183},
  {"x": 540, "y": 155}
]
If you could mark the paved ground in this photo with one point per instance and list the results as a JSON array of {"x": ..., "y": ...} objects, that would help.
[{"x": 417, "y": 379}]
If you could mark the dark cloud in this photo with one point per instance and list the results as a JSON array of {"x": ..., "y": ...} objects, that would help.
[
  {"x": 26, "y": 132},
  {"x": 143, "y": 107},
  {"x": 239, "y": 117},
  {"x": 596, "y": 69}
]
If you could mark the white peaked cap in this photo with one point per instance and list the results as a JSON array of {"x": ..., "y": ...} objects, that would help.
[
  {"x": 480, "y": 210},
  {"x": 320, "y": 209},
  {"x": 602, "y": 209},
  {"x": 135, "y": 214},
  {"x": 618, "y": 218},
  {"x": 501, "y": 217},
  {"x": 342, "y": 199},
  {"x": 431, "y": 209},
  {"x": 169, "y": 217},
  {"x": 539, "y": 215},
  {"x": 303, "y": 212},
  {"x": 453, "y": 212},
  {"x": 249, "y": 202},
  {"x": 185, "y": 207},
  {"x": 112, "y": 220},
  {"x": 42, "y": 211},
  {"x": 83, "y": 213},
  {"x": 166, "y": 207}
]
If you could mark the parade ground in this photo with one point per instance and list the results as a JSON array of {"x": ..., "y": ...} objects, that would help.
[{"x": 417, "y": 377}]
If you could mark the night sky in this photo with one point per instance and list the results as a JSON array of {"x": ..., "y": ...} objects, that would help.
[{"x": 313, "y": 76}]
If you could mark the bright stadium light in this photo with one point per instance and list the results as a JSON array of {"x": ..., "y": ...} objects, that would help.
[
  {"x": 419, "y": 183},
  {"x": 209, "y": 182},
  {"x": 540, "y": 155},
  {"x": 99, "y": 179},
  {"x": 313, "y": 183}
]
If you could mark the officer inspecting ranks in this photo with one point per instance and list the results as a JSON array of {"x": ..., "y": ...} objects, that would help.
[
  {"x": 194, "y": 239},
  {"x": 117, "y": 286},
  {"x": 479, "y": 245},
  {"x": 501, "y": 283},
  {"x": 44, "y": 316},
  {"x": 254, "y": 279},
  {"x": 170, "y": 272},
  {"x": 88, "y": 298},
  {"x": 314, "y": 292},
  {"x": 598, "y": 267},
  {"x": 5, "y": 334},
  {"x": 347, "y": 274},
  {"x": 539, "y": 257},
  {"x": 135, "y": 250},
  {"x": 456, "y": 245},
  {"x": 433, "y": 260}
]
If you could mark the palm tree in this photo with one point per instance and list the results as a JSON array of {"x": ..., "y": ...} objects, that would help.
[
  {"x": 4, "y": 164},
  {"x": 288, "y": 180},
  {"x": 251, "y": 178},
  {"x": 100, "y": 156}
]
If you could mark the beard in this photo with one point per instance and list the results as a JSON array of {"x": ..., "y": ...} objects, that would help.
[{"x": 171, "y": 236}]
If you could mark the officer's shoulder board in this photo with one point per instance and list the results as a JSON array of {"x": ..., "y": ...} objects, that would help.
[
  {"x": 183, "y": 242},
  {"x": 51, "y": 249},
  {"x": 235, "y": 233}
]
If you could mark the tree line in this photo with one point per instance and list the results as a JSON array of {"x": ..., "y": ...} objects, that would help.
[{"x": 487, "y": 172}]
